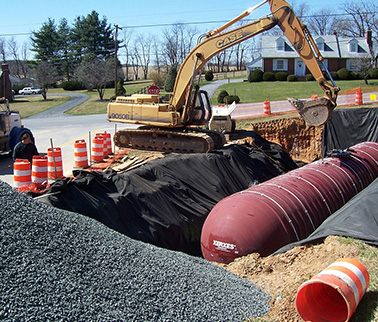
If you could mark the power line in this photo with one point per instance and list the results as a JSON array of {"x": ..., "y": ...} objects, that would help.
[{"x": 199, "y": 23}]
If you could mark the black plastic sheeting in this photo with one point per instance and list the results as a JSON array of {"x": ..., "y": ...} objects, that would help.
[
  {"x": 166, "y": 201},
  {"x": 349, "y": 127},
  {"x": 358, "y": 218}
]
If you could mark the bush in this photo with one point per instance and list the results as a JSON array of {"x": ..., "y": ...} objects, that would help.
[
  {"x": 209, "y": 76},
  {"x": 292, "y": 78},
  {"x": 310, "y": 78},
  {"x": 221, "y": 96},
  {"x": 120, "y": 89},
  {"x": 16, "y": 88},
  {"x": 356, "y": 75},
  {"x": 170, "y": 80},
  {"x": 231, "y": 98},
  {"x": 158, "y": 78},
  {"x": 334, "y": 75},
  {"x": 255, "y": 76},
  {"x": 72, "y": 85},
  {"x": 281, "y": 76},
  {"x": 373, "y": 74},
  {"x": 269, "y": 77},
  {"x": 344, "y": 74}
]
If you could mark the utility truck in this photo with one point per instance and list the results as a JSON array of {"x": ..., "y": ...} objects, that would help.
[{"x": 11, "y": 129}]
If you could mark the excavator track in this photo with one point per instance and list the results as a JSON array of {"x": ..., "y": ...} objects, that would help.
[{"x": 154, "y": 139}]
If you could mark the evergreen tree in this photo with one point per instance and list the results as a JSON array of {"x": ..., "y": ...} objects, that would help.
[
  {"x": 120, "y": 89},
  {"x": 67, "y": 57},
  {"x": 93, "y": 36},
  {"x": 45, "y": 42},
  {"x": 170, "y": 80}
]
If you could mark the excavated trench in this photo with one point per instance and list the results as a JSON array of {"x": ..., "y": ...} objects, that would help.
[{"x": 303, "y": 142}]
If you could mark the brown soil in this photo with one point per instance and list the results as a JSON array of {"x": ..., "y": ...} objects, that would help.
[
  {"x": 281, "y": 275},
  {"x": 303, "y": 142}
]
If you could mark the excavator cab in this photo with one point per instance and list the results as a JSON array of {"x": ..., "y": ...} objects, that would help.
[{"x": 202, "y": 109}]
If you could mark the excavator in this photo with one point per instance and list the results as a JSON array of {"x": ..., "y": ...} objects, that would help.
[{"x": 178, "y": 125}]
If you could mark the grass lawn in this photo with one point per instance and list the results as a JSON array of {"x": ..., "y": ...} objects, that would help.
[
  {"x": 30, "y": 105},
  {"x": 33, "y": 104},
  {"x": 277, "y": 91}
]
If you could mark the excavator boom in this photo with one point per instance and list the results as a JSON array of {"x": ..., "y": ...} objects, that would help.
[{"x": 164, "y": 122}]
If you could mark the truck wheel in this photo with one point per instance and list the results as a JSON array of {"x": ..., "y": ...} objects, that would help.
[{"x": 16, "y": 135}]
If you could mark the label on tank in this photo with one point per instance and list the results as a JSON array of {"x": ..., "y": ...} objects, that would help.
[{"x": 226, "y": 247}]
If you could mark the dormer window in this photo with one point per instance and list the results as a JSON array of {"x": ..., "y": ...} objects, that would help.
[
  {"x": 280, "y": 44},
  {"x": 320, "y": 43},
  {"x": 353, "y": 46}
]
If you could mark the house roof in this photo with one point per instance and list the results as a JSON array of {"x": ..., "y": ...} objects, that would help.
[
  {"x": 256, "y": 63},
  {"x": 334, "y": 47}
]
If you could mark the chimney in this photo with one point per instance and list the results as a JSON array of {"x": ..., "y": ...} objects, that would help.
[{"x": 6, "y": 86}]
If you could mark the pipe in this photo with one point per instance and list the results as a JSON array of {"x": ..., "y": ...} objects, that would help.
[{"x": 287, "y": 208}]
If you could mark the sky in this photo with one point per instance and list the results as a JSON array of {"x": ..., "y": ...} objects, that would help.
[{"x": 19, "y": 19}]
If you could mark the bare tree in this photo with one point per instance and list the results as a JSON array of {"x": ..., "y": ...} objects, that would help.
[
  {"x": 94, "y": 75},
  {"x": 127, "y": 37},
  {"x": 144, "y": 46},
  {"x": 13, "y": 48},
  {"x": 135, "y": 62},
  {"x": 3, "y": 50},
  {"x": 46, "y": 74},
  {"x": 24, "y": 58},
  {"x": 362, "y": 16},
  {"x": 177, "y": 43},
  {"x": 156, "y": 49},
  {"x": 323, "y": 22}
]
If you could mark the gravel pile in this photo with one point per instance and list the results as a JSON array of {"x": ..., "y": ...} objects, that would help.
[{"x": 56, "y": 265}]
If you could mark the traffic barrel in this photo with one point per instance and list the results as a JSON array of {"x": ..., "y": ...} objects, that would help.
[
  {"x": 54, "y": 161},
  {"x": 97, "y": 154},
  {"x": 80, "y": 154},
  {"x": 358, "y": 100},
  {"x": 333, "y": 294},
  {"x": 267, "y": 110},
  {"x": 21, "y": 173},
  {"x": 39, "y": 174},
  {"x": 107, "y": 143}
]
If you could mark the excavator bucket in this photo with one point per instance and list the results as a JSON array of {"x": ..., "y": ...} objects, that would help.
[{"x": 314, "y": 112}]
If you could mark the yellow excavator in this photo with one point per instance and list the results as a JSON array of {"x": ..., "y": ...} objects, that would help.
[{"x": 174, "y": 126}]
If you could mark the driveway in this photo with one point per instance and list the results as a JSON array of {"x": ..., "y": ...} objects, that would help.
[{"x": 76, "y": 99}]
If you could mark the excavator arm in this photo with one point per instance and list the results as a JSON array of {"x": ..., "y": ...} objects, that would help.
[{"x": 315, "y": 112}]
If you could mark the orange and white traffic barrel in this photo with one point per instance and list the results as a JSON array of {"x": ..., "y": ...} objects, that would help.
[
  {"x": 39, "y": 174},
  {"x": 358, "y": 100},
  {"x": 97, "y": 151},
  {"x": 267, "y": 110},
  {"x": 107, "y": 143},
  {"x": 54, "y": 163},
  {"x": 21, "y": 173},
  {"x": 333, "y": 294},
  {"x": 80, "y": 154}
]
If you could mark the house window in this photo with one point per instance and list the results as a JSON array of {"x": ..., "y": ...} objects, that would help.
[
  {"x": 320, "y": 43},
  {"x": 353, "y": 65},
  {"x": 279, "y": 64},
  {"x": 353, "y": 46},
  {"x": 280, "y": 44}
]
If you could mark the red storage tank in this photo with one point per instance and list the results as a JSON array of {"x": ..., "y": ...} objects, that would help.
[{"x": 287, "y": 208}]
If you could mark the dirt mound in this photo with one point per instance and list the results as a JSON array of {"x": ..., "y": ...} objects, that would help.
[{"x": 281, "y": 275}]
